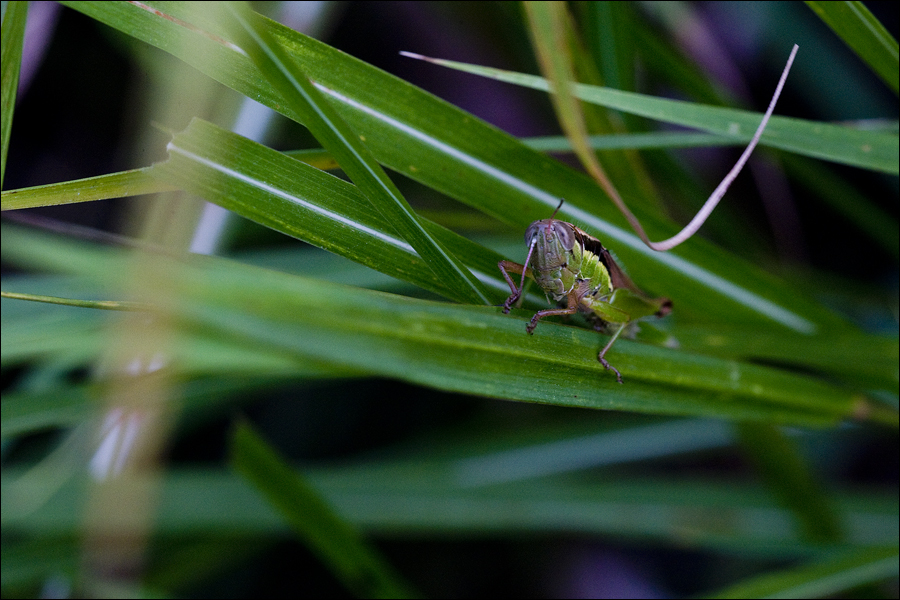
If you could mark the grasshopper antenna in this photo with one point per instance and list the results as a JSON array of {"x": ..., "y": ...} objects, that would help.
[{"x": 559, "y": 206}]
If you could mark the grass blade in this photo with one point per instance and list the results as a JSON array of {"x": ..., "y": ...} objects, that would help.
[
  {"x": 862, "y": 148},
  {"x": 820, "y": 579},
  {"x": 14, "y": 17},
  {"x": 359, "y": 566},
  {"x": 468, "y": 349},
  {"x": 853, "y": 23}
]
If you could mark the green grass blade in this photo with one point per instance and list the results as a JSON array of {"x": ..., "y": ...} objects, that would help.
[
  {"x": 651, "y": 140},
  {"x": 14, "y": 16},
  {"x": 788, "y": 476},
  {"x": 358, "y": 565},
  {"x": 865, "y": 359},
  {"x": 853, "y": 23},
  {"x": 114, "y": 185},
  {"x": 862, "y": 148},
  {"x": 468, "y": 349},
  {"x": 547, "y": 28},
  {"x": 842, "y": 196},
  {"x": 823, "y": 578},
  {"x": 124, "y": 184},
  {"x": 425, "y": 498}
]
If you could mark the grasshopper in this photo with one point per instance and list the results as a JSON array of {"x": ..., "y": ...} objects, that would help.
[{"x": 573, "y": 266}]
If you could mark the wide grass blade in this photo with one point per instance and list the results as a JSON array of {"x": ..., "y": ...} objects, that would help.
[
  {"x": 416, "y": 497},
  {"x": 466, "y": 349}
]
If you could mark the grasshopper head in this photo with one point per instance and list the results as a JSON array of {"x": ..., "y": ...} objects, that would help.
[{"x": 552, "y": 242}]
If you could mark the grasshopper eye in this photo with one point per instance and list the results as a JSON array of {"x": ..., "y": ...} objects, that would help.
[
  {"x": 531, "y": 232},
  {"x": 565, "y": 233}
]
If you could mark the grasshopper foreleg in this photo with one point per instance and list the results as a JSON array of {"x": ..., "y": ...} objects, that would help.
[
  {"x": 516, "y": 268},
  {"x": 505, "y": 267}
]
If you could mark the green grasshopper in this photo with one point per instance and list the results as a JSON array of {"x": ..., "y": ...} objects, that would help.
[{"x": 571, "y": 265}]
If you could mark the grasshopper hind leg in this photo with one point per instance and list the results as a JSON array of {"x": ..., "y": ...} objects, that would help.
[
  {"x": 609, "y": 367},
  {"x": 603, "y": 361}
]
